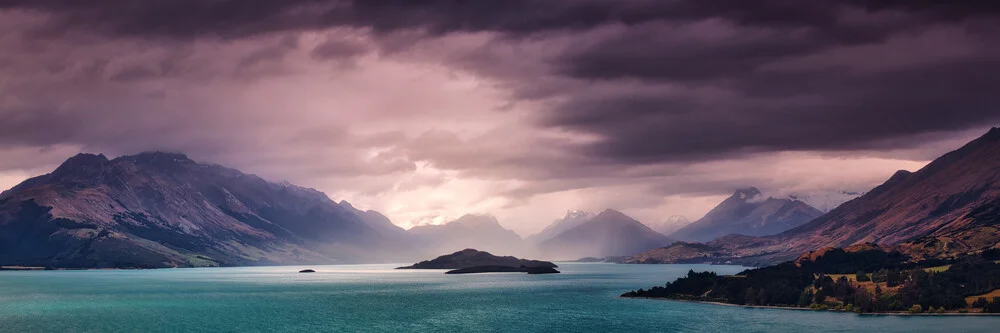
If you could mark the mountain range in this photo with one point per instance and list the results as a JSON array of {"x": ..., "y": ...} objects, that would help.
[
  {"x": 610, "y": 233},
  {"x": 949, "y": 207},
  {"x": 670, "y": 225},
  {"x": 480, "y": 231},
  {"x": 747, "y": 212},
  {"x": 572, "y": 219},
  {"x": 165, "y": 210}
]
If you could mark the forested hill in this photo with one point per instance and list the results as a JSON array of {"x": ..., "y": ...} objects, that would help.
[{"x": 864, "y": 281}]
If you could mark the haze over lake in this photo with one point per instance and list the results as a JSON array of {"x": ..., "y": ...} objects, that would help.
[{"x": 377, "y": 298}]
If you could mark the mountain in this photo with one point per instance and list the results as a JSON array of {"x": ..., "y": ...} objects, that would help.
[
  {"x": 607, "y": 234},
  {"x": 949, "y": 207},
  {"x": 469, "y": 231},
  {"x": 826, "y": 201},
  {"x": 572, "y": 219},
  {"x": 165, "y": 210},
  {"x": 678, "y": 252},
  {"x": 746, "y": 212},
  {"x": 670, "y": 225}
]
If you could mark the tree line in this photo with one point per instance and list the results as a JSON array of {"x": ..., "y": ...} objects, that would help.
[{"x": 892, "y": 286}]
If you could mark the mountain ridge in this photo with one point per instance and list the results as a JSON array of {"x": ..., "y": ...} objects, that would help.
[
  {"x": 941, "y": 210},
  {"x": 609, "y": 233},
  {"x": 157, "y": 209},
  {"x": 468, "y": 231},
  {"x": 747, "y": 212}
]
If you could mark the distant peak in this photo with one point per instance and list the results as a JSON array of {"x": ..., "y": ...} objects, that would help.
[
  {"x": 82, "y": 167},
  {"x": 993, "y": 135},
  {"x": 470, "y": 220},
  {"x": 677, "y": 219},
  {"x": 611, "y": 213},
  {"x": 85, "y": 157},
  {"x": 161, "y": 155},
  {"x": 575, "y": 214},
  {"x": 80, "y": 162},
  {"x": 899, "y": 175},
  {"x": 746, "y": 193}
]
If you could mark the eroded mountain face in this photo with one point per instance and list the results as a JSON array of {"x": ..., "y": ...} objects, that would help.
[
  {"x": 165, "y": 210},
  {"x": 670, "y": 225},
  {"x": 610, "y": 233},
  {"x": 469, "y": 231},
  {"x": 572, "y": 219},
  {"x": 747, "y": 212},
  {"x": 948, "y": 207}
]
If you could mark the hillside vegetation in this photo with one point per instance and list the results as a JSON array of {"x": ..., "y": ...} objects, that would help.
[{"x": 865, "y": 281}]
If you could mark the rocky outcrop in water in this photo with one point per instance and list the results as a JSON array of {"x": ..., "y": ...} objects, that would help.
[{"x": 475, "y": 261}]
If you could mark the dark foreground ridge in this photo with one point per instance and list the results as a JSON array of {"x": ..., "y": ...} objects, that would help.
[
  {"x": 862, "y": 279},
  {"x": 475, "y": 261}
]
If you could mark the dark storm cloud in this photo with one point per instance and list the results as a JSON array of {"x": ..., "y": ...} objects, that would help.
[
  {"x": 653, "y": 80},
  {"x": 656, "y": 53},
  {"x": 340, "y": 49},
  {"x": 233, "y": 18},
  {"x": 815, "y": 110}
]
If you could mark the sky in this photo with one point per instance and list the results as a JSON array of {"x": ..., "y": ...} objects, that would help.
[{"x": 427, "y": 110}]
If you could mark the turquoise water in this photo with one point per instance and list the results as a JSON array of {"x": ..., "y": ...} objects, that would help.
[{"x": 376, "y": 298}]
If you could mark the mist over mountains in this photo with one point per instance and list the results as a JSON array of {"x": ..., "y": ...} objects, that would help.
[
  {"x": 482, "y": 232},
  {"x": 748, "y": 212},
  {"x": 609, "y": 233},
  {"x": 165, "y": 210},
  {"x": 670, "y": 225},
  {"x": 949, "y": 207}
]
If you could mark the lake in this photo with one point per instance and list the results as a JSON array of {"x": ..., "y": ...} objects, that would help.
[{"x": 376, "y": 298}]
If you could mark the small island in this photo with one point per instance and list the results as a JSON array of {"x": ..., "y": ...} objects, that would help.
[
  {"x": 474, "y": 261},
  {"x": 862, "y": 279},
  {"x": 307, "y": 271}
]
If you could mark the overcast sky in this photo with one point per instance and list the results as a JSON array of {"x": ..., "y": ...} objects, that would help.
[{"x": 427, "y": 110}]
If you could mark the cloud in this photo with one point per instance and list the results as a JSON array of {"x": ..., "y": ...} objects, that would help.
[{"x": 427, "y": 110}]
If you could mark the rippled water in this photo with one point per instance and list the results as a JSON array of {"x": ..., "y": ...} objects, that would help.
[{"x": 377, "y": 298}]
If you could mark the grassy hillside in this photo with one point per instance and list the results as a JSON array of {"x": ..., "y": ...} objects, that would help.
[{"x": 880, "y": 282}]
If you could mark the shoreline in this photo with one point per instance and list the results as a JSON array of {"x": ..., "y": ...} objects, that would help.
[{"x": 871, "y": 314}]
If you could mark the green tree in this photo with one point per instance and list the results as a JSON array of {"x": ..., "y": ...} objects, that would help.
[
  {"x": 893, "y": 278},
  {"x": 805, "y": 298},
  {"x": 862, "y": 276}
]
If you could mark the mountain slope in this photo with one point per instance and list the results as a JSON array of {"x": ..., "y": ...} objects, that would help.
[
  {"x": 747, "y": 213},
  {"x": 572, "y": 219},
  {"x": 469, "y": 231},
  {"x": 675, "y": 253},
  {"x": 165, "y": 210},
  {"x": 950, "y": 206},
  {"x": 670, "y": 225},
  {"x": 609, "y": 233}
]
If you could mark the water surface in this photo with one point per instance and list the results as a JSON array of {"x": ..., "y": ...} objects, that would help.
[{"x": 376, "y": 298}]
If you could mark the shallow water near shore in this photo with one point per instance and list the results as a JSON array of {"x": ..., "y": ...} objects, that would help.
[{"x": 377, "y": 298}]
